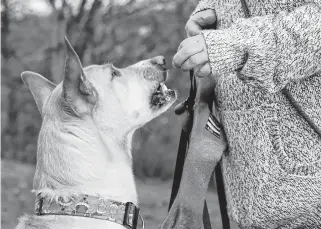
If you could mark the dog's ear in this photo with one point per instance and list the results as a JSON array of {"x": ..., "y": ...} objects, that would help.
[
  {"x": 77, "y": 90},
  {"x": 39, "y": 87}
]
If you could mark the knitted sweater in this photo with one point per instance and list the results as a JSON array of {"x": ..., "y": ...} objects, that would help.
[{"x": 272, "y": 169}]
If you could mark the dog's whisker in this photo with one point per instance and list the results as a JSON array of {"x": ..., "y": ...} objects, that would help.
[
  {"x": 149, "y": 131},
  {"x": 109, "y": 61}
]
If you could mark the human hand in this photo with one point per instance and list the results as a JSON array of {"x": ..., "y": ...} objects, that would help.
[
  {"x": 199, "y": 21},
  {"x": 192, "y": 54}
]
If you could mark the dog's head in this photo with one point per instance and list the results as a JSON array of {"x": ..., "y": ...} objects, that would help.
[{"x": 115, "y": 99}]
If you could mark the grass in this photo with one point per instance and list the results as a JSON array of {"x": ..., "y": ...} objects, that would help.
[{"x": 16, "y": 198}]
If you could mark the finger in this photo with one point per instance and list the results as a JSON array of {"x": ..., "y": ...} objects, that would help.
[
  {"x": 187, "y": 42},
  {"x": 203, "y": 71},
  {"x": 191, "y": 42},
  {"x": 195, "y": 60},
  {"x": 204, "y": 18},
  {"x": 192, "y": 28},
  {"x": 184, "y": 53}
]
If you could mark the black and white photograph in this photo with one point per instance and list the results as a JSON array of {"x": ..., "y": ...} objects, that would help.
[{"x": 160, "y": 114}]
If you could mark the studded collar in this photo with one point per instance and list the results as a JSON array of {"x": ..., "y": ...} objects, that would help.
[{"x": 125, "y": 214}]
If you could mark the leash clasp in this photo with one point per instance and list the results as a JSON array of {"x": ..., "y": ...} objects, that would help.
[{"x": 188, "y": 104}]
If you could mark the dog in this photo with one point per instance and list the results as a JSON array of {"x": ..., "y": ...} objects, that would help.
[{"x": 84, "y": 176}]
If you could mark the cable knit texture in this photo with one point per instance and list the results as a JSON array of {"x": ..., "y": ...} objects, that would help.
[{"x": 272, "y": 170}]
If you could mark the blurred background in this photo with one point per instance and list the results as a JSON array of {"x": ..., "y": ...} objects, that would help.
[{"x": 101, "y": 31}]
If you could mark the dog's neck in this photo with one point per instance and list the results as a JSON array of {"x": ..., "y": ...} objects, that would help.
[{"x": 77, "y": 158}]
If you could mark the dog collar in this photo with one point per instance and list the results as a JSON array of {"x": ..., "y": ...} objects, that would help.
[{"x": 125, "y": 214}]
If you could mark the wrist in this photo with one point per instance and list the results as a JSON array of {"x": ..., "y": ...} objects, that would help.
[{"x": 225, "y": 50}]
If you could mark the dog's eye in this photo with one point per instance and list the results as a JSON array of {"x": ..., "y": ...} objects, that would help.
[{"x": 115, "y": 72}]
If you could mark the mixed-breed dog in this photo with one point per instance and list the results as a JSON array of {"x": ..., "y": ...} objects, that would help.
[{"x": 84, "y": 177}]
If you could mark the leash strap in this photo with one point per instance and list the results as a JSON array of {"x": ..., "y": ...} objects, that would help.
[
  {"x": 188, "y": 107},
  {"x": 221, "y": 196}
]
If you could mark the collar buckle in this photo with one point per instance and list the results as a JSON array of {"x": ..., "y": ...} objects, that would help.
[{"x": 131, "y": 216}]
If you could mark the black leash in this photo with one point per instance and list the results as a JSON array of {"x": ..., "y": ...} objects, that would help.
[
  {"x": 188, "y": 107},
  {"x": 221, "y": 196}
]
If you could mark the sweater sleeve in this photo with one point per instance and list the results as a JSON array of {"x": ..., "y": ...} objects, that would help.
[
  {"x": 270, "y": 51},
  {"x": 204, "y": 5}
]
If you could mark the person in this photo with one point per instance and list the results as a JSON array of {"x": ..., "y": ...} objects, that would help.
[{"x": 272, "y": 168}]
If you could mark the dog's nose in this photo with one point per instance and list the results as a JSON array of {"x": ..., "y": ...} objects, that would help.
[
  {"x": 159, "y": 61},
  {"x": 158, "y": 71}
]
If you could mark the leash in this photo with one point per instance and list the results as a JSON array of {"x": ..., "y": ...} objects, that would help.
[
  {"x": 221, "y": 196},
  {"x": 186, "y": 107}
]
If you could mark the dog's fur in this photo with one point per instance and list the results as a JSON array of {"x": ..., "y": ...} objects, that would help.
[{"x": 88, "y": 120}]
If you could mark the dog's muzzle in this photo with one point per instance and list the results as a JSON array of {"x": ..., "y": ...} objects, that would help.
[
  {"x": 125, "y": 214},
  {"x": 155, "y": 74}
]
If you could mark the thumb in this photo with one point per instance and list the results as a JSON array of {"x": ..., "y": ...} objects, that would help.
[
  {"x": 204, "y": 18},
  {"x": 202, "y": 71}
]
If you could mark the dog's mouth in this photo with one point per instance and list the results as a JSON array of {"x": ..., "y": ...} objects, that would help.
[{"x": 162, "y": 96}]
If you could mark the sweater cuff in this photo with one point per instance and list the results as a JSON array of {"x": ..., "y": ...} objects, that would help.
[
  {"x": 204, "y": 5},
  {"x": 225, "y": 50}
]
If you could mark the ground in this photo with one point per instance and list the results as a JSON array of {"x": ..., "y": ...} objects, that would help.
[{"x": 16, "y": 198}]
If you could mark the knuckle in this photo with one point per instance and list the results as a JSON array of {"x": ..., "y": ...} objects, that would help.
[
  {"x": 209, "y": 12},
  {"x": 189, "y": 32},
  {"x": 203, "y": 17},
  {"x": 185, "y": 52},
  {"x": 207, "y": 17},
  {"x": 192, "y": 60}
]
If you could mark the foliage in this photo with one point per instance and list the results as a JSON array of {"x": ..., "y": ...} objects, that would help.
[{"x": 101, "y": 31}]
